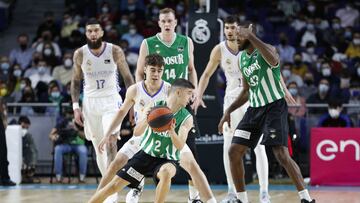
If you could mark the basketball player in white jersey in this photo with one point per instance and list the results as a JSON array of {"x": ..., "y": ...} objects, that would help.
[
  {"x": 142, "y": 96},
  {"x": 98, "y": 64},
  {"x": 226, "y": 54}
]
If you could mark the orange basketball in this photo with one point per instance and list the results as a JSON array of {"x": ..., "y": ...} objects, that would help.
[{"x": 160, "y": 118}]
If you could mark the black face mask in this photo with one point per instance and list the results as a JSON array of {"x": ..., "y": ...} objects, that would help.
[
  {"x": 283, "y": 42},
  {"x": 23, "y": 46},
  {"x": 308, "y": 82}
]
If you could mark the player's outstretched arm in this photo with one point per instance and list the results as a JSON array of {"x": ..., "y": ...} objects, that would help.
[
  {"x": 124, "y": 109},
  {"x": 212, "y": 65},
  {"x": 75, "y": 86},
  {"x": 139, "y": 74},
  {"x": 123, "y": 67},
  {"x": 191, "y": 67},
  {"x": 179, "y": 139}
]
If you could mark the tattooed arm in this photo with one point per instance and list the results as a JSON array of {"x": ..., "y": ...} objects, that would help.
[
  {"x": 76, "y": 84},
  {"x": 120, "y": 61}
]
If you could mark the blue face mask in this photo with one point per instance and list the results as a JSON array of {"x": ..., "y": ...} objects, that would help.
[
  {"x": 5, "y": 66},
  {"x": 55, "y": 94},
  {"x": 355, "y": 93}
]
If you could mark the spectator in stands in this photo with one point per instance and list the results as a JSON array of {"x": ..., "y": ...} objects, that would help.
[
  {"x": 55, "y": 97},
  {"x": 4, "y": 172},
  {"x": 343, "y": 91},
  {"x": 309, "y": 87},
  {"x": 299, "y": 67},
  {"x": 299, "y": 22},
  {"x": 354, "y": 112},
  {"x": 353, "y": 50},
  {"x": 321, "y": 23},
  {"x": 30, "y": 152},
  {"x": 14, "y": 83},
  {"x": 22, "y": 55},
  {"x": 285, "y": 50},
  {"x": 37, "y": 56},
  {"x": 47, "y": 46},
  {"x": 355, "y": 74},
  {"x": 28, "y": 96},
  {"x": 289, "y": 7},
  {"x": 134, "y": 38},
  {"x": 289, "y": 76},
  {"x": 348, "y": 15},
  {"x": 68, "y": 138},
  {"x": 112, "y": 36},
  {"x": 105, "y": 14},
  {"x": 334, "y": 117},
  {"x": 48, "y": 25},
  {"x": 322, "y": 96},
  {"x": 327, "y": 72},
  {"x": 73, "y": 42},
  {"x": 68, "y": 25},
  {"x": 334, "y": 34},
  {"x": 41, "y": 74},
  {"x": 309, "y": 34},
  {"x": 4, "y": 68},
  {"x": 294, "y": 91},
  {"x": 309, "y": 55},
  {"x": 63, "y": 72},
  {"x": 4, "y": 90},
  {"x": 311, "y": 10}
]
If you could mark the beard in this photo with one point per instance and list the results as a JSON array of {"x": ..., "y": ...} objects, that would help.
[
  {"x": 94, "y": 45},
  {"x": 244, "y": 45}
]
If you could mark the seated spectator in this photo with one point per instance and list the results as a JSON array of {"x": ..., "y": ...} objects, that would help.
[
  {"x": 30, "y": 152},
  {"x": 55, "y": 97},
  {"x": 41, "y": 74},
  {"x": 63, "y": 72},
  {"x": 105, "y": 14},
  {"x": 68, "y": 25},
  {"x": 133, "y": 38},
  {"x": 286, "y": 51},
  {"x": 353, "y": 50},
  {"x": 309, "y": 87},
  {"x": 123, "y": 26},
  {"x": 4, "y": 68},
  {"x": 309, "y": 56},
  {"x": 342, "y": 92},
  {"x": 322, "y": 96},
  {"x": 334, "y": 117},
  {"x": 296, "y": 111},
  {"x": 327, "y": 72},
  {"x": 68, "y": 138},
  {"x": 22, "y": 55},
  {"x": 14, "y": 83},
  {"x": 51, "y": 48},
  {"x": 348, "y": 15},
  {"x": 48, "y": 24},
  {"x": 289, "y": 76},
  {"x": 37, "y": 56},
  {"x": 299, "y": 67},
  {"x": 310, "y": 34},
  {"x": 28, "y": 96}
]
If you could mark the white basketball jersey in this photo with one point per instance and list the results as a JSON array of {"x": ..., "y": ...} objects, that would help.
[
  {"x": 143, "y": 98},
  {"x": 100, "y": 72},
  {"x": 230, "y": 66}
]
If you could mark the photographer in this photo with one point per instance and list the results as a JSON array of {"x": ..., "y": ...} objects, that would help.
[{"x": 68, "y": 137}]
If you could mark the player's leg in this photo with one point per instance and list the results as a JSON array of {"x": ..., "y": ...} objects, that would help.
[
  {"x": 188, "y": 162},
  {"x": 116, "y": 185},
  {"x": 262, "y": 169},
  {"x": 111, "y": 148},
  {"x": 276, "y": 135},
  {"x": 166, "y": 172}
]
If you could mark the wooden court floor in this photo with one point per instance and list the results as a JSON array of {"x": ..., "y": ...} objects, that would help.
[{"x": 65, "y": 193}]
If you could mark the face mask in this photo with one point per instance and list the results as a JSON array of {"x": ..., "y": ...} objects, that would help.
[
  {"x": 355, "y": 93},
  {"x": 311, "y": 50},
  {"x": 286, "y": 73},
  {"x": 68, "y": 21},
  {"x": 23, "y": 46},
  {"x": 283, "y": 42},
  {"x": 356, "y": 41},
  {"x": 24, "y": 131},
  {"x": 105, "y": 9},
  {"x": 108, "y": 28},
  {"x": 81, "y": 30},
  {"x": 358, "y": 71},
  {"x": 311, "y": 8},
  {"x": 348, "y": 35},
  {"x": 334, "y": 113},
  {"x": 310, "y": 27},
  {"x": 22, "y": 86},
  {"x": 323, "y": 88},
  {"x": 55, "y": 94},
  {"x": 326, "y": 72},
  {"x": 293, "y": 91},
  {"x": 68, "y": 63},
  {"x": 47, "y": 52},
  {"x": 155, "y": 11},
  {"x": 179, "y": 8},
  {"x": 41, "y": 70},
  {"x": 308, "y": 82},
  {"x": 132, "y": 31},
  {"x": 124, "y": 22},
  {"x": 242, "y": 18},
  {"x": 336, "y": 26},
  {"x": 131, "y": 7},
  {"x": 5, "y": 66},
  {"x": 17, "y": 73},
  {"x": 345, "y": 82},
  {"x": 297, "y": 61}
]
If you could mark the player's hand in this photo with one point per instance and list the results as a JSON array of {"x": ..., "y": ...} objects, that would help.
[
  {"x": 79, "y": 118},
  {"x": 243, "y": 32},
  {"x": 225, "y": 118},
  {"x": 198, "y": 102},
  {"x": 289, "y": 98},
  {"x": 107, "y": 140},
  {"x": 172, "y": 127}
]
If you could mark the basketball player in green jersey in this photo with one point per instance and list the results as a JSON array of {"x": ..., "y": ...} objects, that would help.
[
  {"x": 177, "y": 51},
  {"x": 267, "y": 114},
  {"x": 160, "y": 152}
]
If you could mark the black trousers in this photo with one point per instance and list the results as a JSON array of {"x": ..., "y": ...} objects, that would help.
[{"x": 4, "y": 172}]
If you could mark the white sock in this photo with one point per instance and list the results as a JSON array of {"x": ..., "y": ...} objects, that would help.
[
  {"x": 242, "y": 196},
  {"x": 82, "y": 177},
  {"x": 58, "y": 177},
  {"x": 212, "y": 200},
  {"x": 304, "y": 194},
  {"x": 227, "y": 142},
  {"x": 193, "y": 192},
  {"x": 262, "y": 166}
]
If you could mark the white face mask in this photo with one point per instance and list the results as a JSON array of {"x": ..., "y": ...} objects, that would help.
[
  {"x": 286, "y": 73},
  {"x": 323, "y": 88},
  {"x": 334, "y": 113},
  {"x": 47, "y": 51},
  {"x": 68, "y": 63},
  {"x": 132, "y": 31},
  {"x": 356, "y": 41},
  {"x": 24, "y": 131},
  {"x": 311, "y": 50},
  {"x": 326, "y": 72}
]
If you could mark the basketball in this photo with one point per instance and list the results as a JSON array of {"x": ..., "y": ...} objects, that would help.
[{"x": 160, "y": 118}]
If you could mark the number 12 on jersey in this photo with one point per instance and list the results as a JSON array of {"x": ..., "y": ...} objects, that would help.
[{"x": 100, "y": 84}]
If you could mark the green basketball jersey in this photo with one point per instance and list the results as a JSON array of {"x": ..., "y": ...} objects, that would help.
[
  {"x": 263, "y": 79},
  {"x": 176, "y": 56},
  {"x": 159, "y": 144}
]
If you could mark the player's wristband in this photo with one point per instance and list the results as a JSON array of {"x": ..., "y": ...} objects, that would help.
[{"x": 75, "y": 106}]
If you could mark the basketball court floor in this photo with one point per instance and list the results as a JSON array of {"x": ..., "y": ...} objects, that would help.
[{"x": 68, "y": 193}]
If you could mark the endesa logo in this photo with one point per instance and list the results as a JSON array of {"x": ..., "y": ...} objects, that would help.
[{"x": 327, "y": 150}]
